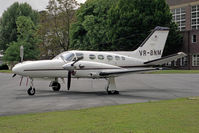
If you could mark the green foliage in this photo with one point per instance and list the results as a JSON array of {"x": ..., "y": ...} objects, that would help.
[
  {"x": 12, "y": 52},
  {"x": 121, "y": 24},
  {"x": 8, "y": 26},
  {"x": 4, "y": 67},
  {"x": 90, "y": 30},
  {"x": 27, "y": 37},
  {"x": 55, "y": 25}
]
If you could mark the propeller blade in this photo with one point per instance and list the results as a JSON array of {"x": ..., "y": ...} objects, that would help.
[
  {"x": 69, "y": 80},
  {"x": 78, "y": 59},
  {"x": 14, "y": 75}
]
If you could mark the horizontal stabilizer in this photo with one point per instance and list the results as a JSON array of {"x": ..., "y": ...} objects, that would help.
[{"x": 165, "y": 59}]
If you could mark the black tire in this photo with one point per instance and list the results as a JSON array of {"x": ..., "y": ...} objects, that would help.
[
  {"x": 31, "y": 91},
  {"x": 113, "y": 92},
  {"x": 56, "y": 86}
]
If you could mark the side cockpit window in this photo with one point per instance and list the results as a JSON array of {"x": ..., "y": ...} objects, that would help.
[{"x": 68, "y": 56}]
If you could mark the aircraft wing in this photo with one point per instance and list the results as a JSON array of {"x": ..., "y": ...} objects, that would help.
[
  {"x": 118, "y": 72},
  {"x": 166, "y": 59}
]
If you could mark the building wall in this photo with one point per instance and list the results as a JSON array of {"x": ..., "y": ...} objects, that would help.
[
  {"x": 179, "y": 2},
  {"x": 189, "y": 47}
]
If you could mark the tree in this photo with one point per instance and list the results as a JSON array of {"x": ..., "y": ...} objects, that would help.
[
  {"x": 55, "y": 26},
  {"x": 8, "y": 27},
  {"x": 90, "y": 30},
  {"x": 121, "y": 24},
  {"x": 27, "y": 37}
]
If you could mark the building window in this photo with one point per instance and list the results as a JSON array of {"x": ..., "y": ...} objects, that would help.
[
  {"x": 183, "y": 61},
  {"x": 194, "y": 40},
  {"x": 195, "y": 17},
  {"x": 100, "y": 57},
  {"x": 92, "y": 56},
  {"x": 179, "y": 17},
  {"x": 195, "y": 60}
]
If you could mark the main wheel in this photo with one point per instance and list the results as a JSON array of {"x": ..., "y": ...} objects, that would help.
[
  {"x": 31, "y": 91},
  {"x": 113, "y": 92},
  {"x": 56, "y": 86}
]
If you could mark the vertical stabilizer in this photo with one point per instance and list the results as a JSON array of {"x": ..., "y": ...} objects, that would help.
[{"x": 153, "y": 46}]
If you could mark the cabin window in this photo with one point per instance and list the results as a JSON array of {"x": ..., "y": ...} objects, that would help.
[
  {"x": 92, "y": 56},
  {"x": 117, "y": 58},
  {"x": 109, "y": 57},
  {"x": 80, "y": 55},
  {"x": 100, "y": 57},
  {"x": 123, "y": 58}
]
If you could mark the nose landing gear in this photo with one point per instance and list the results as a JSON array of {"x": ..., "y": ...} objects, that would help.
[{"x": 31, "y": 90}]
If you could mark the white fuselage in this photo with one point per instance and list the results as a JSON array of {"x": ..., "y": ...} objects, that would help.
[{"x": 89, "y": 67}]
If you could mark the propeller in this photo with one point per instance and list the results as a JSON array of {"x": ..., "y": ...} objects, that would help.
[
  {"x": 70, "y": 67},
  {"x": 69, "y": 80},
  {"x": 14, "y": 75}
]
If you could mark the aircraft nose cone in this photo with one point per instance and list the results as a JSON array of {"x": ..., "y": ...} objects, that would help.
[{"x": 16, "y": 69}]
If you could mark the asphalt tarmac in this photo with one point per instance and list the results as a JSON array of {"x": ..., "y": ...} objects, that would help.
[{"x": 87, "y": 93}]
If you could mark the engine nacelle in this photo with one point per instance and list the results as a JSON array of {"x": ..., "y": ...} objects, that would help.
[{"x": 68, "y": 67}]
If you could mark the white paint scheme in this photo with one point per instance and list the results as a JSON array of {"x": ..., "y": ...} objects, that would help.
[{"x": 122, "y": 62}]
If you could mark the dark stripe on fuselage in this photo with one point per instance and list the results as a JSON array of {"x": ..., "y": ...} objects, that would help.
[{"x": 85, "y": 68}]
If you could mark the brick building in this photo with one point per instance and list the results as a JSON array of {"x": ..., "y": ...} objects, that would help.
[{"x": 186, "y": 14}]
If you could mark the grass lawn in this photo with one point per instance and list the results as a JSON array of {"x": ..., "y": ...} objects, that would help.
[
  {"x": 175, "y": 72},
  {"x": 169, "y": 116},
  {"x": 5, "y": 71}
]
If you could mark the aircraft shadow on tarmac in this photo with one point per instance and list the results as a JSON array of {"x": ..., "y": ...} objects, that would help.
[{"x": 126, "y": 94}]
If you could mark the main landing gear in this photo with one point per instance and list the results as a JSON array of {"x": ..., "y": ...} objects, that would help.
[
  {"x": 31, "y": 90},
  {"x": 111, "y": 87},
  {"x": 55, "y": 85}
]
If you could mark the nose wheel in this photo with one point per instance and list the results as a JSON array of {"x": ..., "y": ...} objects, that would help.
[{"x": 31, "y": 91}]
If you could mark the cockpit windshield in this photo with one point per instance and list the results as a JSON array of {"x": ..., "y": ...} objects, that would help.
[{"x": 68, "y": 56}]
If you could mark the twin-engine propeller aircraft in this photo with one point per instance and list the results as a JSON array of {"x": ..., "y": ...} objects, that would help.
[{"x": 94, "y": 64}]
